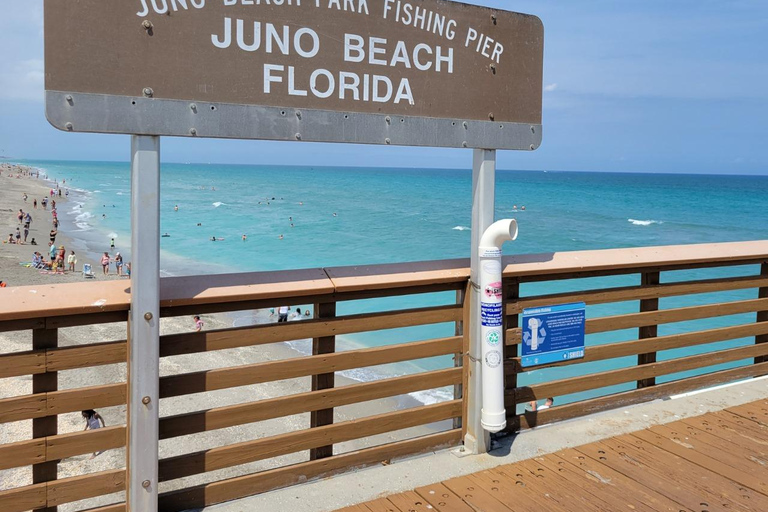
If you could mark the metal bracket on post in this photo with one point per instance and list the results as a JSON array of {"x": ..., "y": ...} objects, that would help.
[
  {"x": 144, "y": 326},
  {"x": 477, "y": 439}
]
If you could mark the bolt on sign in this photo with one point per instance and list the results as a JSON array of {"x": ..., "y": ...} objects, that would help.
[{"x": 402, "y": 72}]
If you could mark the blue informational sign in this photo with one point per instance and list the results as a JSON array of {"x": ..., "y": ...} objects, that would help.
[{"x": 553, "y": 333}]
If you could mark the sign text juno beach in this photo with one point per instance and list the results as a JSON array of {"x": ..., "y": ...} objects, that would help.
[{"x": 428, "y": 59}]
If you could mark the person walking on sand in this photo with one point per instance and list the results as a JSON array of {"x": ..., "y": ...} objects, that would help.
[
  {"x": 92, "y": 419},
  {"x": 282, "y": 313},
  {"x": 198, "y": 323},
  {"x": 72, "y": 261},
  {"x": 20, "y": 215},
  {"x": 18, "y": 236},
  {"x": 53, "y": 235},
  {"x": 105, "y": 263}
]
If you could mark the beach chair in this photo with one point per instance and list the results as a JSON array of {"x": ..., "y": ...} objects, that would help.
[{"x": 87, "y": 272}]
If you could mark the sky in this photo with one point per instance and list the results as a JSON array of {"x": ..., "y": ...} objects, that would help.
[{"x": 631, "y": 85}]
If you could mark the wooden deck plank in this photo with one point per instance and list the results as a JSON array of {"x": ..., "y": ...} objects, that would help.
[
  {"x": 443, "y": 499},
  {"x": 708, "y": 483},
  {"x": 478, "y": 498},
  {"x": 755, "y": 411},
  {"x": 411, "y": 502},
  {"x": 701, "y": 455},
  {"x": 550, "y": 483},
  {"x": 606, "y": 474},
  {"x": 381, "y": 505},
  {"x": 735, "y": 453},
  {"x": 607, "y": 491},
  {"x": 744, "y": 425},
  {"x": 509, "y": 491},
  {"x": 730, "y": 433}
]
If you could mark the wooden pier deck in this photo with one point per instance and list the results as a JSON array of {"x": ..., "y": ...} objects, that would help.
[{"x": 718, "y": 461}]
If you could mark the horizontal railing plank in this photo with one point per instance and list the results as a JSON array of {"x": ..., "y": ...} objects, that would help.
[
  {"x": 188, "y": 343},
  {"x": 222, "y": 417},
  {"x": 634, "y": 373},
  {"x": 35, "y": 362},
  {"x": 79, "y": 399},
  {"x": 58, "y": 447},
  {"x": 22, "y": 453},
  {"x": 23, "y": 407},
  {"x": 248, "y": 485},
  {"x": 59, "y": 492},
  {"x": 630, "y": 293},
  {"x": 76, "y": 443},
  {"x": 53, "y": 403},
  {"x": 250, "y": 451},
  {"x": 665, "y": 316},
  {"x": 585, "y": 407},
  {"x": 303, "y": 366},
  {"x": 621, "y": 260},
  {"x": 16, "y": 364},
  {"x": 85, "y": 356},
  {"x": 645, "y": 345},
  {"x": 83, "y": 487},
  {"x": 22, "y": 499}
]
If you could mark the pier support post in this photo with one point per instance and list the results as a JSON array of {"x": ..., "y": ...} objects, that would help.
[
  {"x": 144, "y": 326},
  {"x": 477, "y": 439}
]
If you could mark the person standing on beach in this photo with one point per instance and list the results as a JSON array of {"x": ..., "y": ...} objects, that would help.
[
  {"x": 53, "y": 235},
  {"x": 198, "y": 323},
  {"x": 282, "y": 313},
  {"x": 26, "y": 232},
  {"x": 119, "y": 264},
  {"x": 34, "y": 204},
  {"x": 52, "y": 251},
  {"x": 112, "y": 244},
  {"x": 20, "y": 216},
  {"x": 105, "y": 263},
  {"x": 72, "y": 261},
  {"x": 18, "y": 236}
]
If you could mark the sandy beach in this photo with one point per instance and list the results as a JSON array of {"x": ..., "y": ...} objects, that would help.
[
  {"x": 12, "y": 189},
  {"x": 15, "y": 182}
]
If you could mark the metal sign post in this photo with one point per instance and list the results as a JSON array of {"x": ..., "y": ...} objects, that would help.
[
  {"x": 478, "y": 440},
  {"x": 144, "y": 326}
]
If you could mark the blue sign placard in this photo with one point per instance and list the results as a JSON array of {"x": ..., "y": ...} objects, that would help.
[{"x": 553, "y": 333}]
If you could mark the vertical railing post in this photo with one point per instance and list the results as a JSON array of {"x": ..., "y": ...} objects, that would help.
[
  {"x": 648, "y": 331},
  {"x": 44, "y": 339},
  {"x": 144, "y": 327},
  {"x": 323, "y": 345},
  {"x": 477, "y": 439},
  {"x": 762, "y": 316},
  {"x": 512, "y": 294},
  {"x": 458, "y": 359}
]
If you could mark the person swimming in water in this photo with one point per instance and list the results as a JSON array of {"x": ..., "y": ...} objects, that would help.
[{"x": 245, "y": 238}]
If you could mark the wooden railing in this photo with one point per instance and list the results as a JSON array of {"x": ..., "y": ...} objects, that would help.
[
  {"x": 656, "y": 272},
  {"x": 630, "y": 293},
  {"x": 327, "y": 290}
]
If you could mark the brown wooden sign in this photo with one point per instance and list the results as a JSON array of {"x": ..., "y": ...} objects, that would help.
[{"x": 429, "y": 59}]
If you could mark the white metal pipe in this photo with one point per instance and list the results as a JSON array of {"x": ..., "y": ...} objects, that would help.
[
  {"x": 144, "y": 326},
  {"x": 493, "y": 417},
  {"x": 477, "y": 439}
]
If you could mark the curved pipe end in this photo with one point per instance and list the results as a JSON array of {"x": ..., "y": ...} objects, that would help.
[{"x": 501, "y": 231}]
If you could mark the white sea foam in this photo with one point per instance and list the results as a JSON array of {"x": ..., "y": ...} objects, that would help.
[
  {"x": 119, "y": 193},
  {"x": 217, "y": 204},
  {"x": 113, "y": 235},
  {"x": 461, "y": 228},
  {"x": 644, "y": 222}
]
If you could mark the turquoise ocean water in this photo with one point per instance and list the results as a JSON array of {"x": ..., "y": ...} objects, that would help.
[{"x": 397, "y": 215}]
